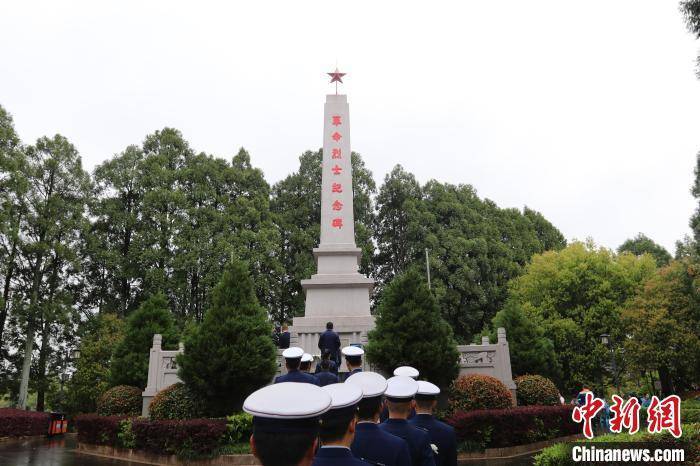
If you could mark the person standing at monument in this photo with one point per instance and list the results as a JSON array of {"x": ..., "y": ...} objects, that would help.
[
  {"x": 371, "y": 443},
  {"x": 399, "y": 398},
  {"x": 286, "y": 423},
  {"x": 441, "y": 435},
  {"x": 329, "y": 340},
  {"x": 285, "y": 337},
  {"x": 292, "y": 360}
]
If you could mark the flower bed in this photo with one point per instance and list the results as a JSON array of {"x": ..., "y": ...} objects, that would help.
[
  {"x": 498, "y": 428},
  {"x": 20, "y": 423}
]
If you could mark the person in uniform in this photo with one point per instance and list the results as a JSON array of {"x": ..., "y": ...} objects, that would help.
[
  {"x": 338, "y": 427},
  {"x": 399, "y": 399},
  {"x": 331, "y": 341},
  {"x": 353, "y": 359},
  {"x": 407, "y": 371},
  {"x": 325, "y": 376},
  {"x": 292, "y": 360},
  {"x": 306, "y": 360},
  {"x": 371, "y": 443},
  {"x": 441, "y": 435},
  {"x": 286, "y": 422},
  {"x": 284, "y": 339},
  {"x": 332, "y": 366}
]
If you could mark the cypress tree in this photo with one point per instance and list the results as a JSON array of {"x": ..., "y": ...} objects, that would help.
[
  {"x": 411, "y": 331},
  {"x": 230, "y": 354},
  {"x": 130, "y": 362}
]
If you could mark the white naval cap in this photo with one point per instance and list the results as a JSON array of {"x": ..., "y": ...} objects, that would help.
[
  {"x": 401, "y": 387},
  {"x": 306, "y": 357},
  {"x": 293, "y": 352},
  {"x": 371, "y": 383},
  {"x": 353, "y": 351},
  {"x": 407, "y": 371},
  {"x": 343, "y": 395},
  {"x": 427, "y": 390},
  {"x": 288, "y": 401}
]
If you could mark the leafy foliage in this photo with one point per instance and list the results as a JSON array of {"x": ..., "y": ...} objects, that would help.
[
  {"x": 535, "y": 390},
  {"x": 194, "y": 437},
  {"x": 130, "y": 361},
  {"x": 99, "y": 430},
  {"x": 230, "y": 354},
  {"x": 239, "y": 428},
  {"x": 642, "y": 244},
  {"x": 477, "y": 391},
  {"x": 20, "y": 423},
  {"x": 410, "y": 331},
  {"x": 175, "y": 402},
  {"x": 121, "y": 400}
]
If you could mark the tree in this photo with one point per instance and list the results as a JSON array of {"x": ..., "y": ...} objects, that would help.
[
  {"x": 410, "y": 331},
  {"x": 691, "y": 13},
  {"x": 100, "y": 337},
  {"x": 130, "y": 360},
  {"x": 230, "y": 354},
  {"x": 663, "y": 326},
  {"x": 642, "y": 244}
]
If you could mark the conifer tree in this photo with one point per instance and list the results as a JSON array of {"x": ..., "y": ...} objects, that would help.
[
  {"x": 230, "y": 354},
  {"x": 130, "y": 361},
  {"x": 411, "y": 331}
]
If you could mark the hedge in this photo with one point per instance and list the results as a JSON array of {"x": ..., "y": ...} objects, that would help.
[
  {"x": 98, "y": 430},
  {"x": 535, "y": 390},
  {"x": 194, "y": 437},
  {"x": 560, "y": 454},
  {"x": 497, "y": 428},
  {"x": 121, "y": 400},
  {"x": 176, "y": 402},
  {"x": 478, "y": 391},
  {"x": 20, "y": 423}
]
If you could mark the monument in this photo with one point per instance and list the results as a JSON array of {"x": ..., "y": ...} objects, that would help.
[{"x": 337, "y": 292}]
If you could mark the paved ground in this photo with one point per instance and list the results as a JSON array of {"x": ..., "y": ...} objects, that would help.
[{"x": 50, "y": 452}]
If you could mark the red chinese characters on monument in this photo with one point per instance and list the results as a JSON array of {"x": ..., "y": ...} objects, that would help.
[
  {"x": 336, "y": 136},
  {"x": 337, "y": 222},
  {"x": 336, "y": 154},
  {"x": 335, "y": 120},
  {"x": 664, "y": 415},
  {"x": 337, "y": 205},
  {"x": 336, "y": 169},
  {"x": 626, "y": 415},
  {"x": 587, "y": 412},
  {"x": 337, "y": 188}
]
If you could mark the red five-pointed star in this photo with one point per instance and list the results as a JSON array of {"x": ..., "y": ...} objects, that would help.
[{"x": 336, "y": 76}]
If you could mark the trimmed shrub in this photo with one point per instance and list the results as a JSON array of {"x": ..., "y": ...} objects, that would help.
[
  {"x": 99, "y": 430},
  {"x": 20, "y": 423},
  {"x": 239, "y": 428},
  {"x": 121, "y": 400},
  {"x": 194, "y": 437},
  {"x": 535, "y": 390},
  {"x": 497, "y": 428},
  {"x": 478, "y": 391},
  {"x": 175, "y": 402}
]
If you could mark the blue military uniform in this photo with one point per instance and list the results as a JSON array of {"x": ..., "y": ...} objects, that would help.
[
  {"x": 376, "y": 446},
  {"x": 441, "y": 435},
  {"x": 326, "y": 378},
  {"x": 418, "y": 440},
  {"x": 329, "y": 340},
  {"x": 333, "y": 367},
  {"x": 297, "y": 376},
  {"x": 336, "y": 456}
]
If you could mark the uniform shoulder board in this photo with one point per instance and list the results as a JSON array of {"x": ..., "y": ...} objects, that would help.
[
  {"x": 422, "y": 428},
  {"x": 375, "y": 463}
]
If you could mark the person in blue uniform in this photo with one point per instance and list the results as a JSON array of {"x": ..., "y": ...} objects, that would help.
[
  {"x": 331, "y": 341},
  {"x": 399, "y": 398},
  {"x": 371, "y": 443},
  {"x": 292, "y": 360},
  {"x": 306, "y": 360},
  {"x": 408, "y": 371},
  {"x": 325, "y": 376},
  {"x": 286, "y": 422},
  {"x": 353, "y": 359},
  {"x": 441, "y": 434},
  {"x": 338, "y": 427},
  {"x": 283, "y": 342},
  {"x": 332, "y": 366}
]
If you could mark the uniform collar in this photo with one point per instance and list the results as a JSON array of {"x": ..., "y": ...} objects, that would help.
[
  {"x": 396, "y": 421},
  {"x": 366, "y": 425},
  {"x": 334, "y": 451}
]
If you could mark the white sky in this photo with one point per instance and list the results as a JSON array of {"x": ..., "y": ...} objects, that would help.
[{"x": 586, "y": 111}]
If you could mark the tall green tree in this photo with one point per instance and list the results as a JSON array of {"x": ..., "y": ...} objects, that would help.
[
  {"x": 230, "y": 354},
  {"x": 642, "y": 244},
  {"x": 410, "y": 331},
  {"x": 129, "y": 364}
]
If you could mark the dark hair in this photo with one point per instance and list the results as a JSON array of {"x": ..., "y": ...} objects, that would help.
[
  {"x": 354, "y": 360},
  {"x": 334, "y": 426},
  {"x": 325, "y": 365},
  {"x": 274, "y": 449},
  {"x": 293, "y": 364},
  {"x": 369, "y": 407},
  {"x": 401, "y": 407},
  {"x": 329, "y": 326},
  {"x": 305, "y": 365},
  {"x": 424, "y": 403}
]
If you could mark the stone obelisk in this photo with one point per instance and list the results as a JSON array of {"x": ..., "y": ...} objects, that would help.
[{"x": 337, "y": 292}]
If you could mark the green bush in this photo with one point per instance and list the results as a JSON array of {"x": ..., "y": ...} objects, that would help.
[
  {"x": 535, "y": 390},
  {"x": 125, "y": 436},
  {"x": 230, "y": 354},
  {"x": 477, "y": 391},
  {"x": 121, "y": 400},
  {"x": 690, "y": 415},
  {"x": 175, "y": 402},
  {"x": 239, "y": 427}
]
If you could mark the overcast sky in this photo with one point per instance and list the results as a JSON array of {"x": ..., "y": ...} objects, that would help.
[{"x": 586, "y": 111}]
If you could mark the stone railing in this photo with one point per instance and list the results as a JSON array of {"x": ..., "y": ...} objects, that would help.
[
  {"x": 162, "y": 371},
  {"x": 488, "y": 358}
]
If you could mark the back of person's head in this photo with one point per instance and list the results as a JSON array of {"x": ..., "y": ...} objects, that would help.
[
  {"x": 285, "y": 327},
  {"x": 369, "y": 408},
  {"x": 326, "y": 355},
  {"x": 354, "y": 360},
  {"x": 293, "y": 364},
  {"x": 325, "y": 365},
  {"x": 424, "y": 404},
  {"x": 273, "y": 449},
  {"x": 305, "y": 366},
  {"x": 334, "y": 426},
  {"x": 401, "y": 408},
  {"x": 329, "y": 326}
]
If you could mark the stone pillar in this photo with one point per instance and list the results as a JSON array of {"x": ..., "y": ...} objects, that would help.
[{"x": 153, "y": 366}]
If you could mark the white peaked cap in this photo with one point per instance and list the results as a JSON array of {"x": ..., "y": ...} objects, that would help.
[
  {"x": 306, "y": 357},
  {"x": 288, "y": 400},
  {"x": 353, "y": 351},
  {"x": 407, "y": 371},
  {"x": 427, "y": 388},
  {"x": 292, "y": 353},
  {"x": 343, "y": 395},
  {"x": 371, "y": 383},
  {"x": 401, "y": 386}
]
